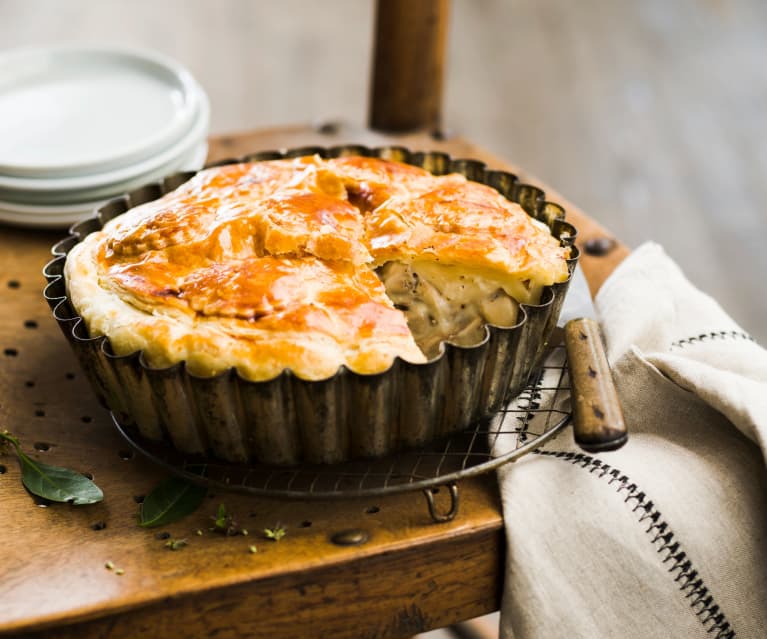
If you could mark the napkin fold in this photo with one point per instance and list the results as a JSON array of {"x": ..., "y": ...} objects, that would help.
[{"x": 666, "y": 537}]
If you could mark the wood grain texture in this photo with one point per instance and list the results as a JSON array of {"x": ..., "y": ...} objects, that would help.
[
  {"x": 598, "y": 422},
  {"x": 408, "y": 65},
  {"x": 384, "y": 595}
]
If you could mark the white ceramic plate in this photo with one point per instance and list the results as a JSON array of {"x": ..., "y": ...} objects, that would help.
[
  {"x": 68, "y": 111},
  {"x": 39, "y": 220},
  {"x": 63, "y": 216},
  {"x": 191, "y": 161},
  {"x": 84, "y": 183},
  {"x": 183, "y": 154}
]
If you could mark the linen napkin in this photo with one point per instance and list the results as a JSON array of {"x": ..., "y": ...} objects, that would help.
[{"x": 666, "y": 537}]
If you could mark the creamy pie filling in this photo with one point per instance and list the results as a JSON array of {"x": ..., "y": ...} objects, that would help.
[{"x": 444, "y": 303}]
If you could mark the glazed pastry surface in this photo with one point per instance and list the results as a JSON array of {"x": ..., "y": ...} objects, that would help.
[{"x": 298, "y": 264}]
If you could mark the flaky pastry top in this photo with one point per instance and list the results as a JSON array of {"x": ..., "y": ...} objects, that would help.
[{"x": 267, "y": 266}]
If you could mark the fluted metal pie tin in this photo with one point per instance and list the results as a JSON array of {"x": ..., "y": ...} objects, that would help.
[{"x": 288, "y": 420}]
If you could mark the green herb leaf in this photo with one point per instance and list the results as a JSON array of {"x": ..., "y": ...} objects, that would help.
[
  {"x": 219, "y": 521},
  {"x": 170, "y": 501},
  {"x": 276, "y": 533},
  {"x": 176, "y": 544},
  {"x": 226, "y": 524},
  {"x": 51, "y": 482},
  {"x": 57, "y": 484}
]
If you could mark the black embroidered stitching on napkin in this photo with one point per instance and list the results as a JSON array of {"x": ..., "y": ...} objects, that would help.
[
  {"x": 662, "y": 537},
  {"x": 714, "y": 335},
  {"x": 528, "y": 400}
]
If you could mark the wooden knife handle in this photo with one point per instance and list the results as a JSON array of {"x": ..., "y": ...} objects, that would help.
[{"x": 597, "y": 416}]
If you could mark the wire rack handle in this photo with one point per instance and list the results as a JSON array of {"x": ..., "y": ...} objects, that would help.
[{"x": 438, "y": 517}]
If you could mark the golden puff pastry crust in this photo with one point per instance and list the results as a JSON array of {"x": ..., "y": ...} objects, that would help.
[{"x": 283, "y": 264}]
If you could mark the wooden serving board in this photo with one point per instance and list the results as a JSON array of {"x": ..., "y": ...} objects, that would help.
[{"x": 410, "y": 575}]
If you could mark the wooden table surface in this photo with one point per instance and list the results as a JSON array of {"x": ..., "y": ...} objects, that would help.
[{"x": 411, "y": 575}]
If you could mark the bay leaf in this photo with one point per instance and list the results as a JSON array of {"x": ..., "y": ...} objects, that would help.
[
  {"x": 170, "y": 501},
  {"x": 58, "y": 484}
]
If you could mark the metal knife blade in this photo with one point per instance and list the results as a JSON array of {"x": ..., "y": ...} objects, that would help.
[
  {"x": 598, "y": 422},
  {"x": 578, "y": 302}
]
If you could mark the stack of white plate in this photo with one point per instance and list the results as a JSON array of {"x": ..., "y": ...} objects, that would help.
[{"x": 81, "y": 125}]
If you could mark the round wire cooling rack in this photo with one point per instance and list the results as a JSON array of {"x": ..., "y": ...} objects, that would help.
[{"x": 526, "y": 423}]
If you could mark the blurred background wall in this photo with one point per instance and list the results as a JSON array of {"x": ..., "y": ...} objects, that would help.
[{"x": 651, "y": 115}]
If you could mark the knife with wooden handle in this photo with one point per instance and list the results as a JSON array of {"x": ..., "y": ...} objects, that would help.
[{"x": 598, "y": 421}]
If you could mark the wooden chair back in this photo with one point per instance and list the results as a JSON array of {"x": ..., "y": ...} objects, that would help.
[{"x": 408, "y": 65}]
